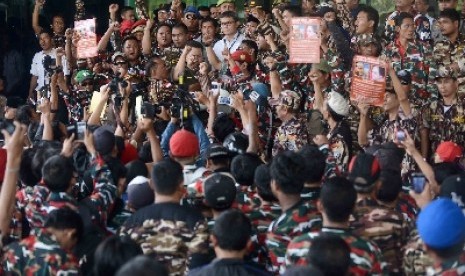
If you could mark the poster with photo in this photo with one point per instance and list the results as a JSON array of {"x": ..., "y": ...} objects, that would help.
[
  {"x": 305, "y": 40},
  {"x": 87, "y": 44},
  {"x": 368, "y": 80}
]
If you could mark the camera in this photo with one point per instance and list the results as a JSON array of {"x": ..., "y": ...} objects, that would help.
[
  {"x": 114, "y": 84},
  {"x": 50, "y": 66},
  {"x": 8, "y": 126}
]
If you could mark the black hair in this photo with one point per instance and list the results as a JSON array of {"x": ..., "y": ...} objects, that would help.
[
  {"x": 135, "y": 168},
  {"x": 142, "y": 266},
  {"x": 167, "y": 175},
  {"x": 315, "y": 162},
  {"x": 303, "y": 271},
  {"x": 113, "y": 253},
  {"x": 57, "y": 173},
  {"x": 251, "y": 44},
  {"x": 127, "y": 38},
  {"x": 452, "y": 14},
  {"x": 145, "y": 153},
  {"x": 204, "y": 8},
  {"x": 391, "y": 186},
  {"x": 209, "y": 19},
  {"x": 372, "y": 14},
  {"x": 444, "y": 170},
  {"x": 243, "y": 168},
  {"x": 223, "y": 126},
  {"x": 449, "y": 252},
  {"x": 118, "y": 170},
  {"x": 331, "y": 254},
  {"x": 338, "y": 198},
  {"x": 25, "y": 168},
  {"x": 293, "y": 9},
  {"x": 24, "y": 114},
  {"x": 262, "y": 180},
  {"x": 41, "y": 155},
  {"x": 400, "y": 18},
  {"x": 336, "y": 117},
  {"x": 194, "y": 44},
  {"x": 232, "y": 238},
  {"x": 65, "y": 218},
  {"x": 164, "y": 24},
  {"x": 288, "y": 170},
  {"x": 126, "y": 8},
  {"x": 181, "y": 26},
  {"x": 229, "y": 14},
  {"x": 45, "y": 31}
]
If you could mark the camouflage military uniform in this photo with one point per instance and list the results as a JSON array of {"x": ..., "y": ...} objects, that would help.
[
  {"x": 161, "y": 91},
  {"x": 415, "y": 260},
  {"x": 38, "y": 255},
  {"x": 445, "y": 52},
  {"x": 247, "y": 199},
  {"x": 417, "y": 60},
  {"x": 366, "y": 256},
  {"x": 331, "y": 168},
  {"x": 174, "y": 234},
  {"x": 384, "y": 226},
  {"x": 76, "y": 104},
  {"x": 311, "y": 194},
  {"x": 171, "y": 56},
  {"x": 43, "y": 201},
  {"x": 408, "y": 207},
  {"x": 444, "y": 126},
  {"x": 297, "y": 220},
  {"x": 390, "y": 25},
  {"x": 340, "y": 144},
  {"x": 386, "y": 131},
  {"x": 291, "y": 135},
  {"x": 262, "y": 216}
]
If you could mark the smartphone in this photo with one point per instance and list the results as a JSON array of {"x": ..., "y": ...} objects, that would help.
[
  {"x": 418, "y": 181},
  {"x": 224, "y": 100},
  {"x": 400, "y": 135},
  {"x": 80, "y": 130}
]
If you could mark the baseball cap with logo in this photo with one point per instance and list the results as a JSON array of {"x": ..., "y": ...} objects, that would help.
[
  {"x": 216, "y": 151},
  {"x": 449, "y": 151},
  {"x": 364, "y": 171},
  {"x": 220, "y": 191},
  {"x": 83, "y": 75},
  {"x": 241, "y": 56}
]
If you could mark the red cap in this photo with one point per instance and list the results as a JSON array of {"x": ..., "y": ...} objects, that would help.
[
  {"x": 449, "y": 151},
  {"x": 129, "y": 153},
  {"x": 138, "y": 23},
  {"x": 242, "y": 56},
  {"x": 126, "y": 27},
  {"x": 184, "y": 143}
]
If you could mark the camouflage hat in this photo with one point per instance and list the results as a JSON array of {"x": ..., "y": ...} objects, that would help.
[
  {"x": 83, "y": 75},
  {"x": 290, "y": 98},
  {"x": 365, "y": 39},
  {"x": 221, "y": 2},
  {"x": 323, "y": 66},
  {"x": 446, "y": 72}
]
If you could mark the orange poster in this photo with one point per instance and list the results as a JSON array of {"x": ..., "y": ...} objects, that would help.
[
  {"x": 368, "y": 80},
  {"x": 305, "y": 40},
  {"x": 87, "y": 44}
]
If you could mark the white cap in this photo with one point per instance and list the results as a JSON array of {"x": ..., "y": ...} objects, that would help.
[{"x": 338, "y": 103}]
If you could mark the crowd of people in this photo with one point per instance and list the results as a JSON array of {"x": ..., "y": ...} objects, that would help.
[{"x": 191, "y": 145}]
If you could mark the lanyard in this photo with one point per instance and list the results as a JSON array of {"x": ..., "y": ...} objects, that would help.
[{"x": 234, "y": 41}]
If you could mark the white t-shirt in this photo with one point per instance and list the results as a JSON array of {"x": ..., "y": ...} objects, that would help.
[
  {"x": 37, "y": 67},
  {"x": 231, "y": 45}
]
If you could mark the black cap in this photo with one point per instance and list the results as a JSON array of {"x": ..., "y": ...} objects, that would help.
[
  {"x": 216, "y": 151},
  {"x": 453, "y": 187},
  {"x": 220, "y": 191},
  {"x": 364, "y": 170},
  {"x": 14, "y": 102}
]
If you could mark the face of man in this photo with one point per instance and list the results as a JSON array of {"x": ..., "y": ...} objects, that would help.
[
  {"x": 362, "y": 25},
  {"x": 447, "y": 86},
  {"x": 204, "y": 14},
  {"x": 251, "y": 27},
  {"x": 215, "y": 12},
  {"x": 261, "y": 43},
  {"x": 159, "y": 71},
  {"x": 287, "y": 16},
  {"x": 447, "y": 26},
  {"x": 45, "y": 41},
  {"x": 390, "y": 102},
  {"x": 421, "y": 6},
  {"x": 351, "y": 4},
  {"x": 129, "y": 15},
  {"x": 191, "y": 21},
  {"x": 227, "y": 7},
  {"x": 447, "y": 4},
  {"x": 407, "y": 29},
  {"x": 120, "y": 66},
  {"x": 403, "y": 4},
  {"x": 179, "y": 37},
  {"x": 58, "y": 25},
  {"x": 164, "y": 36},
  {"x": 131, "y": 49},
  {"x": 194, "y": 58},
  {"x": 367, "y": 49},
  {"x": 228, "y": 25},
  {"x": 208, "y": 29},
  {"x": 162, "y": 15}
]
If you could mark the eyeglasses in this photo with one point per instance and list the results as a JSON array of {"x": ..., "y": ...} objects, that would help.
[
  {"x": 228, "y": 23},
  {"x": 86, "y": 83},
  {"x": 190, "y": 16}
]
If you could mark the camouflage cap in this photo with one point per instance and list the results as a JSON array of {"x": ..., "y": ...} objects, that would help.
[
  {"x": 365, "y": 39},
  {"x": 290, "y": 98},
  {"x": 446, "y": 72},
  {"x": 221, "y": 2},
  {"x": 323, "y": 66}
]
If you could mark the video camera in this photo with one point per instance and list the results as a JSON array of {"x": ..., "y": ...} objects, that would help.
[
  {"x": 50, "y": 66},
  {"x": 114, "y": 83}
]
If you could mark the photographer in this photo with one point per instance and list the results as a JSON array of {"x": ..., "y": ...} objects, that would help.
[{"x": 46, "y": 62}]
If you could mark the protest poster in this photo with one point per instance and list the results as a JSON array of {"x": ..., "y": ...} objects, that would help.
[
  {"x": 305, "y": 40},
  {"x": 368, "y": 80},
  {"x": 87, "y": 44}
]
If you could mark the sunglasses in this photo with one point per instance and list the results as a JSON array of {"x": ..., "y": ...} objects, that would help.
[
  {"x": 86, "y": 83},
  {"x": 191, "y": 16},
  {"x": 121, "y": 63}
]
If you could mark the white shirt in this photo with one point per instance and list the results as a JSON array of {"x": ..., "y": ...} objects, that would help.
[
  {"x": 37, "y": 67},
  {"x": 231, "y": 45}
]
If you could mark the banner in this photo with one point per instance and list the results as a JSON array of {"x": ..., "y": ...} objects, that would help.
[
  {"x": 87, "y": 44},
  {"x": 305, "y": 40},
  {"x": 368, "y": 80}
]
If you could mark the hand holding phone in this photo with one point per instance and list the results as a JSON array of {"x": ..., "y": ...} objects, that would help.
[{"x": 418, "y": 181}]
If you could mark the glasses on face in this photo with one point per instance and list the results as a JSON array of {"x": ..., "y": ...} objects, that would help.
[
  {"x": 191, "y": 16},
  {"x": 120, "y": 63},
  {"x": 87, "y": 83},
  {"x": 227, "y": 23}
]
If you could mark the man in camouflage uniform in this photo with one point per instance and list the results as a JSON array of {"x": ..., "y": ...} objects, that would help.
[
  {"x": 389, "y": 19},
  {"x": 443, "y": 119},
  {"x": 177, "y": 235},
  {"x": 336, "y": 204},
  {"x": 407, "y": 54},
  {"x": 449, "y": 50},
  {"x": 298, "y": 217},
  {"x": 292, "y": 134},
  {"x": 372, "y": 220},
  {"x": 48, "y": 252}
]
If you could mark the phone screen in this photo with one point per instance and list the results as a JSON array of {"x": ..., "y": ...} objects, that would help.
[
  {"x": 81, "y": 129},
  {"x": 418, "y": 183}
]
